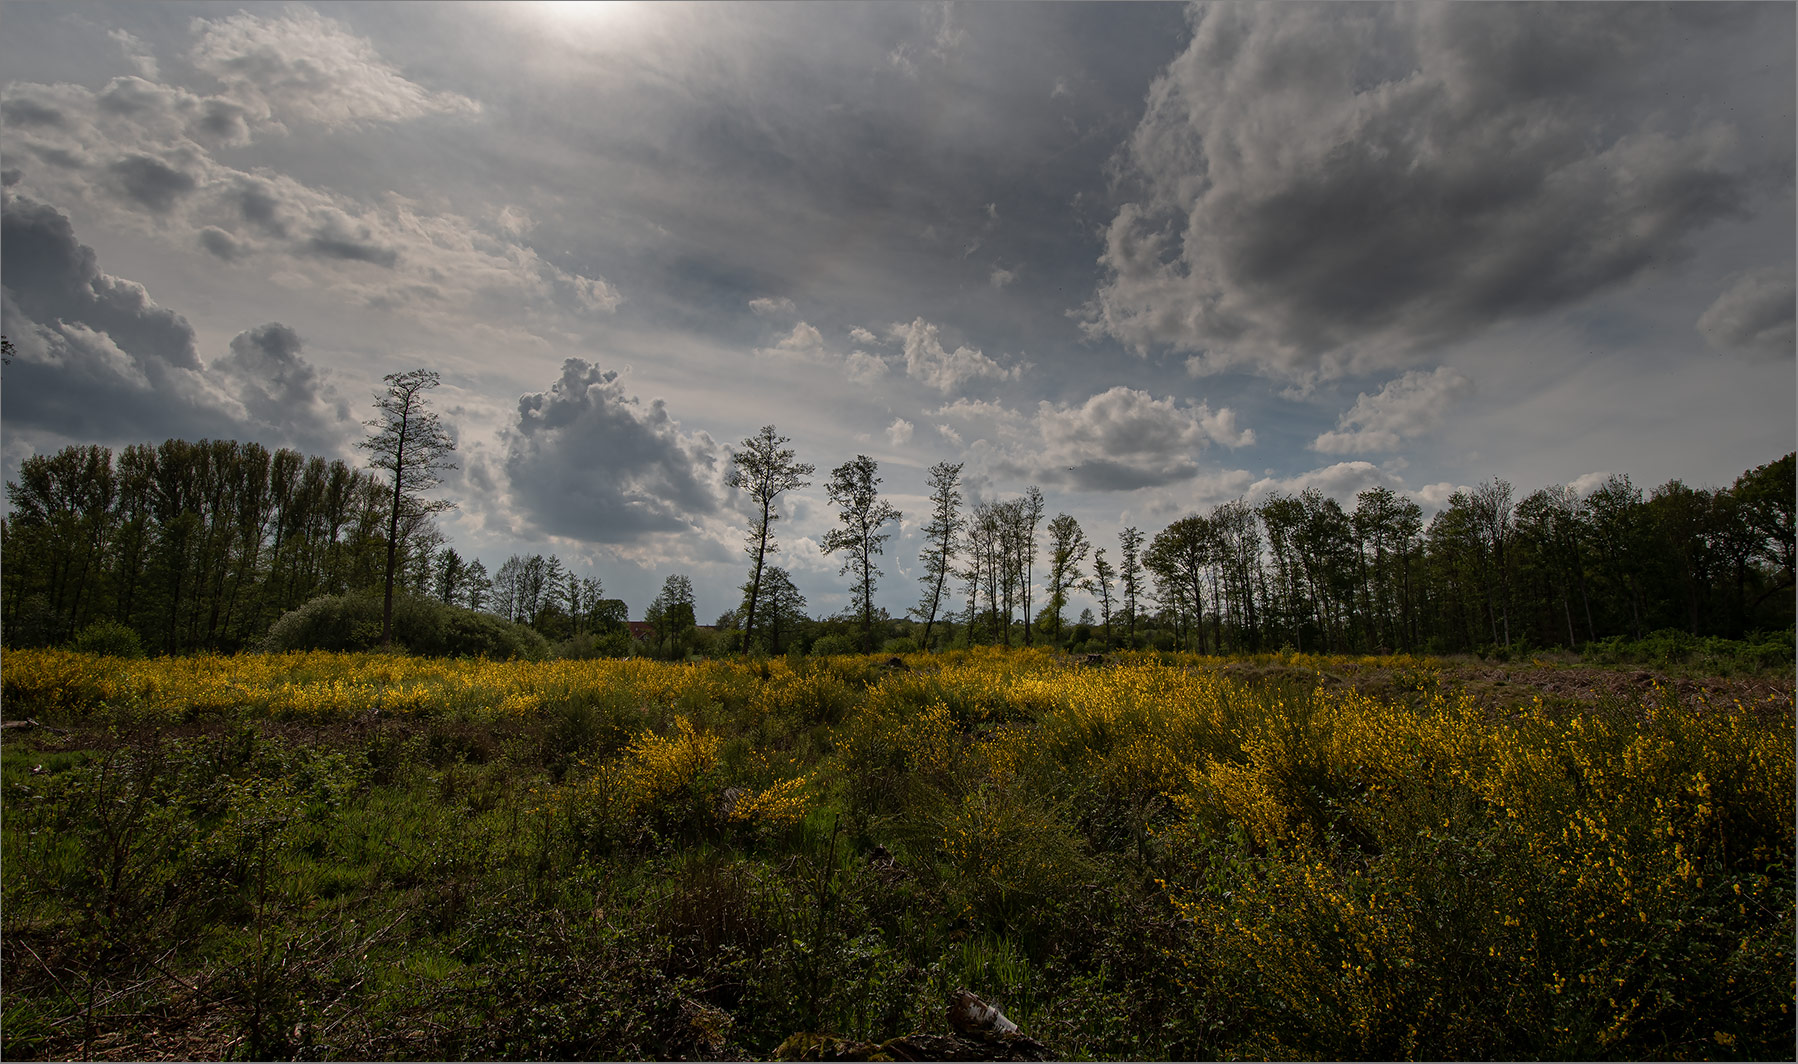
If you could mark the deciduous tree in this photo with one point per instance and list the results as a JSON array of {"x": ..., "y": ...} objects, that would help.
[
  {"x": 764, "y": 470},
  {"x": 941, "y": 536},
  {"x": 854, "y": 489},
  {"x": 1068, "y": 548}
]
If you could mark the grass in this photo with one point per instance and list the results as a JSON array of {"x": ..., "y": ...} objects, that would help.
[{"x": 329, "y": 857}]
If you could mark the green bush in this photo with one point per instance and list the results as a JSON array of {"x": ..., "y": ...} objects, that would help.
[
  {"x": 828, "y": 645},
  {"x": 1669, "y": 647},
  {"x": 587, "y": 645},
  {"x": 420, "y": 626},
  {"x": 109, "y": 638}
]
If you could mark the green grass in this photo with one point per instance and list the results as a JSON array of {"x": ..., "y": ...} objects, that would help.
[{"x": 444, "y": 889}]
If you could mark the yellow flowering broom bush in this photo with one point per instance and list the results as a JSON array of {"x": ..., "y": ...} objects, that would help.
[{"x": 1177, "y": 855}]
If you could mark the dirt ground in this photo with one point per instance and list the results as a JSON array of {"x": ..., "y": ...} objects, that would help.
[{"x": 1515, "y": 685}]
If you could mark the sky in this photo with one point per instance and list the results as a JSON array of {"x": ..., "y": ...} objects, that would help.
[{"x": 1149, "y": 257}]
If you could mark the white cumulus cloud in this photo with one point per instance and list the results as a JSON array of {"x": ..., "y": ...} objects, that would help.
[
  {"x": 1404, "y": 407},
  {"x": 927, "y": 360}
]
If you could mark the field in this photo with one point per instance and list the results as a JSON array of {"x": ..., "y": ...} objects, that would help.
[{"x": 320, "y": 856}]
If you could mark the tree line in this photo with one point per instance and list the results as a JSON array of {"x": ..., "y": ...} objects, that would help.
[
  {"x": 1555, "y": 568},
  {"x": 202, "y": 546}
]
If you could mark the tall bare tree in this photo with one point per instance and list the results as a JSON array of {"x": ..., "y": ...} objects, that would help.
[
  {"x": 764, "y": 469},
  {"x": 1030, "y": 514},
  {"x": 1103, "y": 577},
  {"x": 409, "y": 443},
  {"x": 1130, "y": 585},
  {"x": 855, "y": 490}
]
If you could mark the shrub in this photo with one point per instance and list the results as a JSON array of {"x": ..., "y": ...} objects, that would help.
[
  {"x": 589, "y": 645},
  {"x": 108, "y": 638},
  {"x": 828, "y": 645},
  {"x": 420, "y": 625}
]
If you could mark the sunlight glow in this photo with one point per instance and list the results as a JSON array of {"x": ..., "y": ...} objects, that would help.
[{"x": 584, "y": 12}]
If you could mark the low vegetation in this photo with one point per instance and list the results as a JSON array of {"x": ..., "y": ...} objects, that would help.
[{"x": 363, "y": 856}]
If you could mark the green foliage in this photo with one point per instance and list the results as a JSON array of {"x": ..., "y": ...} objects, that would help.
[
  {"x": 109, "y": 638},
  {"x": 610, "y": 644},
  {"x": 828, "y": 645},
  {"x": 1671, "y": 647},
  {"x": 420, "y": 625},
  {"x": 1148, "y": 861}
]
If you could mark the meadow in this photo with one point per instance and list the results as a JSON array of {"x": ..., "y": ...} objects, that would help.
[{"x": 329, "y": 856}]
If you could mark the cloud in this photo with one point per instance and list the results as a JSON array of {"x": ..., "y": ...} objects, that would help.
[
  {"x": 340, "y": 237},
  {"x": 150, "y": 182},
  {"x": 1756, "y": 314},
  {"x": 805, "y": 345},
  {"x": 136, "y": 51},
  {"x": 1000, "y": 278},
  {"x": 767, "y": 306},
  {"x": 981, "y": 412},
  {"x": 52, "y": 277},
  {"x": 864, "y": 368},
  {"x": 1342, "y": 482},
  {"x": 220, "y": 243},
  {"x": 899, "y": 432},
  {"x": 928, "y": 361},
  {"x": 863, "y": 336},
  {"x": 1437, "y": 494},
  {"x": 101, "y": 361},
  {"x": 588, "y": 461},
  {"x": 1406, "y": 406},
  {"x": 280, "y": 389},
  {"x": 1118, "y": 440},
  {"x": 1583, "y": 485},
  {"x": 143, "y": 155},
  {"x": 1122, "y": 439},
  {"x": 1336, "y": 188},
  {"x": 301, "y": 66}
]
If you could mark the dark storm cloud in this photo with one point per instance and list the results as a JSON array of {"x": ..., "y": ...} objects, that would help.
[
  {"x": 588, "y": 461},
  {"x": 100, "y": 361},
  {"x": 151, "y": 182},
  {"x": 332, "y": 247},
  {"x": 1339, "y": 186},
  {"x": 30, "y": 113},
  {"x": 53, "y": 277}
]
